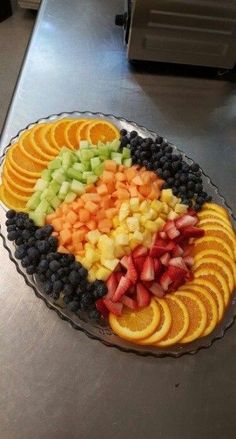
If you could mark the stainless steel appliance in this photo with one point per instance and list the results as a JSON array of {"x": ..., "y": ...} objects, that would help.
[{"x": 197, "y": 32}]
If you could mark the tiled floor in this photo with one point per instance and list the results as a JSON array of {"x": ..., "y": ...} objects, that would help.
[{"x": 14, "y": 36}]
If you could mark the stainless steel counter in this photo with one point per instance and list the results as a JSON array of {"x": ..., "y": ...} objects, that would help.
[{"x": 54, "y": 381}]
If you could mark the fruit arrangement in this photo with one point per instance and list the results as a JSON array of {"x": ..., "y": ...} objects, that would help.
[{"x": 119, "y": 228}]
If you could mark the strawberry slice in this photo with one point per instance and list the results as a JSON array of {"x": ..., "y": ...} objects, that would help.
[
  {"x": 175, "y": 285},
  {"x": 185, "y": 221},
  {"x": 112, "y": 283},
  {"x": 115, "y": 308},
  {"x": 178, "y": 262},
  {"x": 157, "y": 290},
  {"x": 188, "y": 250},
  {"x": 192, "y": 232},
  {"x": 130, "y": 303},
  {"x": 175, "y": 273},
  {"x": 165, "y": 281},
  {"x": 125, "y": 261},
  {"x": 143, "y": 295},
  {"x": 163, "y": 235},
  {"x": 138, "y": 262},
  {"x": 161, "y": 247},
  {"x": 131, "y": 270},
  {"x": 192, "y": 212},
  {"x": 189, "y": 260},
  {"x": 101, "y": 307},
  {"x": 173, "y": 232},
  {"x": 139, "y": 251},
  {"x": 121, "y": 289},
  {"x": 118, "y": 275},
  {"x": 165, "y": 259},
  {"x": 168, "y": 225},
  {"x": 157, "y": 267},
  {"x": 148, "y": 272},
  {"x": 177, "y": 251}
]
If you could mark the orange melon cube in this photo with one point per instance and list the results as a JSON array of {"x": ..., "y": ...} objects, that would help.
[
  {"x": 65, "y": 236},
  {"x": 78, "y": 236},
  {"x": 84, "y": 215},
  {"x": 120, "y": 176},
  {"x": 133, "y": 191},
  {"x": 57, "y": 224},
  {"x": 105, "y": 225},
  {"x": 110, "y": 165},
  {"x": 137, "y": 180},
  {"x": 91, "y": 206},
  {"x": 71, "y": 217},
  {"x": 130, "y": 173},
  {"x": 62, "y": 249},
  {"x": 111, "y": 212},
  {"x": 102, "y": 189},
  {"x": 122, "y": 194},
  {"x": 92, "y": 224},
  {"x": 107, "y": 176}
]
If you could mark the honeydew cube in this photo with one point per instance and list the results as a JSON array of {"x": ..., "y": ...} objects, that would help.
[
  {"x": 59, "y": 176},
  {"x": 122, "y": 239},
  {"x": 38, "y": 218},
  {"x": 77, "y": 187},
  {"x": 55, "y": 202},
  {"x": 64, "y": 188},
  {"x": 144, "y": 206},
  {"x": 86, "y": 154},
  {"x": 111, "y": 264},
  {"x": 71, "y": 196},
  {"x": 34, "y": 201},
  {"x": 55, "y": 164},
  {"x": 157, "y": 205},
  {"x": 127, "y": 162},
  {"x": 67, "y": 160},
  {"x": 95, "y": 161},
  {"x": 134, "y": 204},
  {"x": 126, "y": 153},
  {"x": 93, "y": 236},
  {"x": 98, "y": 170},
  {"x": 40, "y": 185},
  {"x": 172, "y": 215},
  {"x": 49, "y": 210},
  {"x": 46, "y": 175},
  {"x": 180, "y": 208},
  {"x": 114, "y": 145},
  {"x": 124, "y": 211},
  {"x": 103, "y": 273},
  {"x": 166, "y": 195},
  {"x": 151, "y": 225},
  {"x": 132, "y": 223},
  {"x": 78, "y": 167},
  {"x": 84, "y": 144}
]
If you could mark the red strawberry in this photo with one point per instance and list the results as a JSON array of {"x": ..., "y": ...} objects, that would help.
[
  {"x": 175, "y": 285},
  {"x": 131, "y": 271},
  {"x": 175, "y": 273},
  {"x": 101, "y": 307},
  {"x": 161, "y": 247},
  {"x": 163, "y": 235},
  {"x": 139, "y": 251},
  {"x": 165, "y": 259},
  {"x": 118, "y": 275},
  {"x": 188, "y": 250},
  {"x": 178, "y": 262},
  {"x": 165, "y": 281},
  {"x": 168, "y": 225},
  {"x": 138, "y": 262},
  {"x": 192, "y": 232},
  {"x": 185, "y": 221},
  {"x": 148, "y": 269},
  {"x": 157, "y": 267},
  {"x": 173, "y": 232},
  {"x": 189, "y": 260},
  {"x": 125, "y": 261},
  {"x": 122, "y": 287},
  {"x": 111, "y": 285},
  {"x": 130, "y": 303},
  {"x": 177, "y": 251},
  {"x": 192, "y": 212},
  {"x": 115, "y": 308},
  {"x": 157, "y": 290},
  {"x": 143, "y": 295},
  {"x": 189, "y": 276}
]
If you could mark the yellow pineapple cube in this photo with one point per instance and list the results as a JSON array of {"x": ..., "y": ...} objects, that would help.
[
  {"x": 151, "y": 225},
  {"x": 103, "y": 273},
  {"x": 174, "y": 201},
  {"x": 124, "y": 211},
  {"x": 93, "y": 236},
  {"x": 106, "y": 247},
  {"x": 165, "y": 207},
  {"x": 144, "y": 206},
  {"x": 157, "y": 205},
  {"x": 122, "y": 239},
  {"x": 166, "y": 195},
  {"x": 134, "y": 204},
  {"x": 115, "y": 221},
  {"x": 119, "y": 251},
  {"x": 132, "y": 223},
  {"x": 159, "y": 223},
  {"x": 137, "y": 237},
  {"x": 111, "y": 264},
  {"x": 181, "y": 208},
  {"x": 172, "y": 215}
]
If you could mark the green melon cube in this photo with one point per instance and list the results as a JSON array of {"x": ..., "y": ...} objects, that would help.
[
  {"x": 98, "y": 170},
  {"x": 127, "y": 163},
  {"x": 84, "y": 144},
  {"x": 91, "y": 179},
  {"x": 95, "y": 161},
  {"x": 71, "y": 196},
  {"x": 73, "y": 174},
  {"x": 55, "y": 202},
  {"x": 86, "y": 154},
  {"x": 40, "y": 185},
  {"x": 117, "y": 157},
  {"x": 126, "y": 153},
  {"x": 34, "y": 201},
  {"x": 58, "y": 175},
  {"x": 114, "y": 145},
  {"x": 55, "y": 186},
  {"x": 65, "y": 187},
  {"x": 67, "y": 159},
  {"x": 103, "y": 151},
  {"x": 49, "y": 210},
  {"x": 55, "y": 164},
  {"x": 46, "y": 175},
  {"x": 38, "y": 217},
  {"x": 77, "y": 187},
  {"x": 78, "y": 167}
]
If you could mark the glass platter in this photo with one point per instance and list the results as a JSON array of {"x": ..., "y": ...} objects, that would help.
[{"x": 100, "y": 330}]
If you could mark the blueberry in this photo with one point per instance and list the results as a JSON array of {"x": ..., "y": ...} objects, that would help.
[
  {"x": 12, "y": 236},
  {"x": 194, "y": 167},
  {"x": 20, "y": 252},
  {"x": 47, "y": 286},
  {"x": 167, "y": 166},
  {"x": 74, "y": 305},
  {"x": 86, "y": 301},
  {"x": 25, "y": 262},
  {"x": 31, "y": 269},
  {"x": 159, "y": 140},
  {"x": 175, "y": 191},
  {"x": 42, "y": 246},
  {"x": 183, "y": 178},
  {"x": 57, "y": 286},
  {"x": 208, "y": 198},
  {"x": 20, "y": 222},
  {"x": 168, "y": 149},
  {"x": 166, "y": 174},
  {"x": 70, "y": 257},
  {"x": 143, "y": 155},
  {"x": 159, "y": 172},
  {"x": 11, "y": 227},
  {"x": 182, "y": 189},
  {"x": 54, "y": 277},
  {"x": 68, "y": 299},
  {"x": 10, "y": 213},
  {"x": 68, "y": 289},
  {"x": 185, "y": 201},
  {"x": 190, "y": 185},
  {"x": 74, "y": 277},
  {"x": 185, "y": 167},
  {"x": 190, "y": 194},
  {"x": 61, "y": 272},
  {"x": 198, "y": 187},
  {"x": 43, "y": 266},
  {"x": 171, "y": 181},
  {"x": 26, "y": 234},
  {"x": 94, "y": 314},
  {"x": 165, "y": 186},
  {"x": 197, "y": 207},
  {"x": 42, "y": 277},
  {"x": 200, "y": 200},
  {"x": 124, "y": 141},
  {"x": 32, "y": 241},
  {"x": 48, "y": 274},
  {"x": 99, "y": 290},
  {"x": 176, "y": 165},
  {"x": 83, "y": 272},
  {"x": 10, "y": 222},
  {"x": 123, "y": 132},
  {"x": 54, "y": 266},
  {"x": 163, "y": 159},
  {"x": 33, "y": 253},
  {"x": 53, "y": 243},
  {"x": 175, "y": 157}
]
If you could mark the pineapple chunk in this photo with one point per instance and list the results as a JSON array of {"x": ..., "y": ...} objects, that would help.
[
  {"x": 166, "y": 195},
  {"x": 151, "y": 225},
  {"x": 93, "y": 236},
  {"x": 144, "y": 206},
  {"x": 124, "y": 211},
  {"x": 137, "y": 237},
  {"x": 174, "y": 201},
  {"x": 111, "y": 264},
  {"x": 172, "y": 215},
  {"x": 159, "y": 223},
  {"x": 134, "y": 204},
  {"x": 165, "y": 207},
  {"x": 115, "y": 221},
  {"x": 122, "y": 239},
  {"x": 106, "y": 247},
  {"x": 119, "y": 251},
  {"x": 157, "y": 205},
  {"x": 103, "y": 273},
  {"x": 180, "y": 208},
  {"x": 132, "y": 223},
  {"x": 147, "y": 238}
]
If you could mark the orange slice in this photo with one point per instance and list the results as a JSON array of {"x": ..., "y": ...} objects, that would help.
[
  {"x": 10, "y": 201},
  {"x": 12, "y": 190},
  {"x": 221, "y": 233},
  {"x": 71, "y": 132},
  {"x": 219, "y": 255},
  {"x": 209, "y": 304},
  {"x": 26, "y": 147},
  {"x": 102, "y": 131},
  {"x": 22, "y": 163},
  {"x": 23, "y": 179},
  {"x": 212, "y": 214},
  {"x": 197, "y": 315},
  {"x": 42, "y": 137},
  {"x": 210, "y": 287},
  {"x": 57, "y": 133},
  {"x": 216, "y": 208},
  {"x": 218, "y": 280},
  {"x": 17, "y": 182},
  {"x": 179, "y": 324},
  {"x": 211, "y": 242},
  {"x": 38, "y": 146},
  {"x": 216, "y": 222},
  {"x": 134, "y": 325},
  {"x": 163, "y": 326},
  {"x": 220, "y": 266},
  {"x": 82, "y": 131}
]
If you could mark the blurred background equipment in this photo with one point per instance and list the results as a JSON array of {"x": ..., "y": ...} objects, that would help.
[
  {"x": 181, "y": 31},
  {"x": 29, "y": 4},
  {"x": 5, "y": 9}
]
